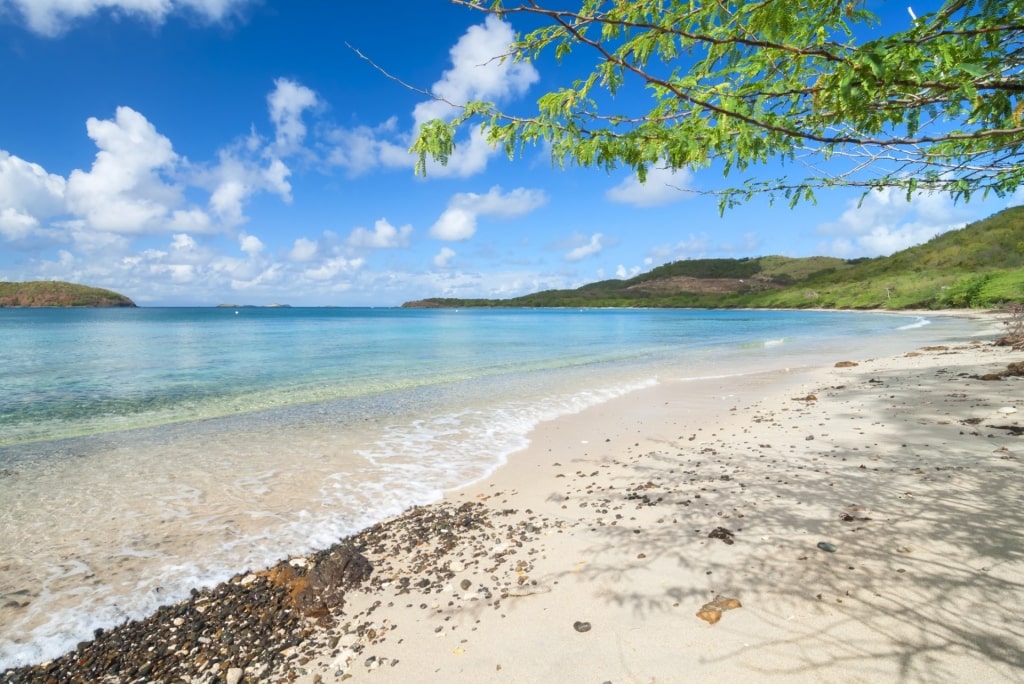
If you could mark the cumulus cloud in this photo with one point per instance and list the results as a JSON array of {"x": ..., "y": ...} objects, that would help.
[
  {"x": 591, "y": 247},
  {"x": 477, "y": 73},
  {"x": 125, "y": 191},
  {"x": 250, "y": 244},
  {"x": 384, "y": 235},
  {"x": 443, "y": 258},
  {"x": 287, "y": 102},
  {"x": 28, "y": 194},
  {"x": 303, "y": 250},
  {"x": 662, "y": 186},
  {"x": 362, "y": 149},
  {"x": 52, "y": 17},
  {"x": 885, "y": 222},
  {"x": 459, "y": 219},
  {"x": 239, "y": 175},
  {"x": 622, "y": 273}
]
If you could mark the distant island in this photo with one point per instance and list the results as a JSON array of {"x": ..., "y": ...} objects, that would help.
[
  {"x": 978, "y": 266},
  {"x": 58, "y": 294}
]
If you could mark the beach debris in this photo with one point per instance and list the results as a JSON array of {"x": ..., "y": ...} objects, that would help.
[
  {"x": 809, "y": 398},
  {"x": 846, "y": 364},
  {"x": 825, "y": 546},
  {"x": 854, "y": 508},
  {"x": 723, "y": 534},
  {"x": 581, "y": 626},
  {"x": 1015, "y": 430},
  {"x": 711, "y": 612},
  {"x": 1013, "y": 370}
]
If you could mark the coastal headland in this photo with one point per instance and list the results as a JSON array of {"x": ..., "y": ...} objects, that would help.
[{"x": 857, "y": 521}]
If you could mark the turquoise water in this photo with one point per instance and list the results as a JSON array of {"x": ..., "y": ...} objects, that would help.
[{"x": 146, "y": 451}]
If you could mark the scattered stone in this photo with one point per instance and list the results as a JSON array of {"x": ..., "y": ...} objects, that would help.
[
  {"x": 711, "y": 612},
  {"x": 846, "y": 364},
  {"x": 825, "y": 546},
  {"x": 580, "y": 626},
  {"x": 723, "y": 534}
]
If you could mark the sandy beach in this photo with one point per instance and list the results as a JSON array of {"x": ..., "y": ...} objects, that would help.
[{"x": 854, "y": 522}]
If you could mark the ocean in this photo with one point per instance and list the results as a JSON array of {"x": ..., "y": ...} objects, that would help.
[{"x": 147, "y": 451}]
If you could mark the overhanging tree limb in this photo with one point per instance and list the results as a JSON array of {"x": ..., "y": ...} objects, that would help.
[{"x": 934, "y": 105}]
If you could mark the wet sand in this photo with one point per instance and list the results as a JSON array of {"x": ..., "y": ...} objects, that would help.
[{"x": 855, "y": 524}]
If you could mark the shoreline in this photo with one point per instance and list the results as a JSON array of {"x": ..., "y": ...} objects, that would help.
[{"x": 587, "y": 556}]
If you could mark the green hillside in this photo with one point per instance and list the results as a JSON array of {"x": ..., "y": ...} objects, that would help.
[
  {"x": 54, "y": 293},
  {"x": 980, "y": 265}
]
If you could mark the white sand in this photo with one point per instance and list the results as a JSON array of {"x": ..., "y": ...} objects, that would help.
[{"x": 926, "y": 584}]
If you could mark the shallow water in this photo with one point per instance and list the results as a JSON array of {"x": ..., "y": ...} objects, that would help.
[{"x": 147, "y": 451}]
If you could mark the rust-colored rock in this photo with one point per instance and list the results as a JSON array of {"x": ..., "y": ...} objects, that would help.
[
  {"x": 711, "y": 612},
  {"x": 322, "y": 589},
  {"x": 846, "y": 364}
]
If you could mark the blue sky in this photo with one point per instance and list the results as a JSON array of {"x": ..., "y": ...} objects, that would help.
[{"x": 196, "y": 152}]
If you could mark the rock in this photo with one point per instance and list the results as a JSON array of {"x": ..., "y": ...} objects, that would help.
[
  {"x": 323, "y": 589},
  {"x": 723, "y": 534},
  {"x": 846, "y": 364},
  {"x": 825, "y": 546},
  {"x": 234, "y": 675},
  {"x": 711, "y": 612},
  {"x": 580, "y": 626},
  {"x": 709, "y": 615}
]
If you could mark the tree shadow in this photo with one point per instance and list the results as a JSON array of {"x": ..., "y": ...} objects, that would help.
[{"x": 894, "y": 468}]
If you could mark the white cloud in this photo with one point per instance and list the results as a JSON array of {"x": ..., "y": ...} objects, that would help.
[
  {"x": 885, "y": 222},
  {"x": 454, "y": 224},
  {"x": 458, "y": 222},
  {"x": 334, "y": 267},
  {"x": 250, "y": 244},
  {"x": 28, "y": 195},
  {"x": 383, "y": 235},
  {"x": 363, "y": 149},
  {"x": 287, "y": 102},
  {"x": 51, "y": 17},
  {"x": 303, "y": 250},
  {"x": 477, "y": 73},
  {"x": 237, "y": 177},
  {"x": 662, "y": 186},
  {"x": 444, "y": 258},
  {"x": 125, "y": 191},
  {"x": 27, "y": 189},
  {"x": 622, "y": 273},
  {"x": 15, "y": 225},
  {"x": 593, "y": 246}
]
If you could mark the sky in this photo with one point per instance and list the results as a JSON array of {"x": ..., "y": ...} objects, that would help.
[{"x": 200, "y": 152}]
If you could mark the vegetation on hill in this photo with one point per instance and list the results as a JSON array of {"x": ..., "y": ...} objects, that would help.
[
  {"x": 54, "y": 293},
  {"x": 980, "y": 265}
]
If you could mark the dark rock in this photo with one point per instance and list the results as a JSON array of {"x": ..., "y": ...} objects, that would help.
[{"x": 723, "y": 534}]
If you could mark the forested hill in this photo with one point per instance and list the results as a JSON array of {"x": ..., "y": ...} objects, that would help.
[
  {"x": 54, "y": 293},
  {"x": 980, "y": 265}
]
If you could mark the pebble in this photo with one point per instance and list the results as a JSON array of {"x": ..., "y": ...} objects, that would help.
[
  {"x": 825, "y": 546},
  {"x": 580, "y": 626}
]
